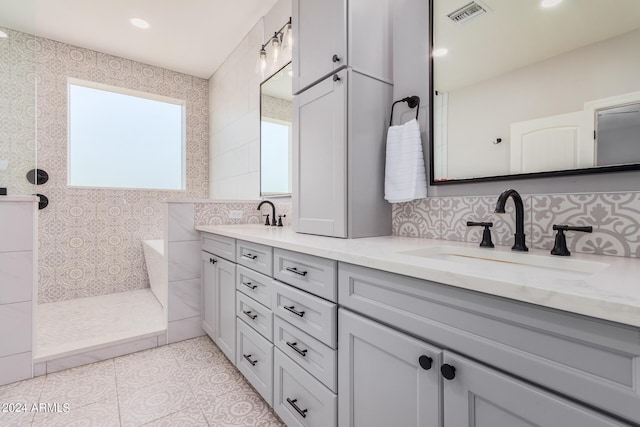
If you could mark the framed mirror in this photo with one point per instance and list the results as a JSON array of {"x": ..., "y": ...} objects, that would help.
[
  {"x": 534, "y": 88},
  {"x": 276, "y": 133}
]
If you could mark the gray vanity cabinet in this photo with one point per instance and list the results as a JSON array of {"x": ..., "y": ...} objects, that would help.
[
  {"x": 339, "y": 129},
  {"x": 480, "y": 396},
  {"x": 219, "y": 292},
  {"x": 219, "y": 302},
  {"x": 381, "y": 381},
  {"x": 332, "y": 34}
]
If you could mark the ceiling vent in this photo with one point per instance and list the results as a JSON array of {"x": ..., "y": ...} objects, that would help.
[{"x": 468, "y": 12}]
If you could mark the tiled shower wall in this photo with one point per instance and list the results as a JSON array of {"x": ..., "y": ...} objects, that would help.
[
  {"x": 90, "y": 239},
  {"x": 615, "y": 218}
]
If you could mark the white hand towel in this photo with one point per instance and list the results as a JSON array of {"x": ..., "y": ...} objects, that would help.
[{"x": 405, "y": 173}]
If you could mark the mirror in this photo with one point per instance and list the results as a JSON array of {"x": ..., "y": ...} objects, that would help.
[
  {"x": 534, "y": 88},
  {"x": 276, "y": 133}
]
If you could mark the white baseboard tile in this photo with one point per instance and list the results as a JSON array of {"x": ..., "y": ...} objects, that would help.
[
  {"x": 162, "y": 339},
  {"x": 185, "y": 329},
  {"x": 101, "y": 354},
  {"x": 16, "y": 367},
  {"x": 39, "y": 369}
]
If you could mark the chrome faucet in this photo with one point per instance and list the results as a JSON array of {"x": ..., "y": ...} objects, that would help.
[
  {"x": 520, "y": 238},
  {"x": 273, "y": 212}
]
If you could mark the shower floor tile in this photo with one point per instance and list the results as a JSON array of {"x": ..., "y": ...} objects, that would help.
[{"x": 65, "y": 328}]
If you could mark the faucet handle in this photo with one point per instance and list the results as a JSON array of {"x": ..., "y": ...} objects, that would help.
[
  {"x": 486, "y": 234},
  {"x": 266, "y": 219},
  {"x": 560, "y": 244},
  {"x": 280, "y": 220}
]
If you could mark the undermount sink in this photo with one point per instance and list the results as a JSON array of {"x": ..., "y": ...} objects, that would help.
[{"x": 494, "y": 263}]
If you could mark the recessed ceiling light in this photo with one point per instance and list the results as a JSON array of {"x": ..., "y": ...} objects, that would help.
[
  {"x": 440, "y": 52},
  {"x": 140, "y": 23},
  {"x": 550, "y": 3},
  {"x": 3, "y": 35}
]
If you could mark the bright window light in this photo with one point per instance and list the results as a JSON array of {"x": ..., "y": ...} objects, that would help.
[
  {"x": 119, "y": 138},
  {"x": 275, "y": 139}
]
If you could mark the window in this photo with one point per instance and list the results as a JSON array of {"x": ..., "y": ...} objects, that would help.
[{"x": 120, "y": 138}]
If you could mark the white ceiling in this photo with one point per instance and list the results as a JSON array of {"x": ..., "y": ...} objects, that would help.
[
  {"x": 517, "y": 33},
  {"x": 189, "y": 36}
]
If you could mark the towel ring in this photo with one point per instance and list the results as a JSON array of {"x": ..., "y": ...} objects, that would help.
[{"x": 412, "y": 102}]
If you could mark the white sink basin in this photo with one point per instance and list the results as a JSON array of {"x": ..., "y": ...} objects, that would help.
[{"x": 492, "y": 263}]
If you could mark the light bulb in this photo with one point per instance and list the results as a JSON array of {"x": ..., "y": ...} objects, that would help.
[
  {"x": 140, "y": 23},
  {"x": 440, "y": 52},
  {"x": 261, "y": 64},
  {"x": 287, "y": 39},
  {"x": 550, "y": 3},
  {"x": 275, "y": 44}
]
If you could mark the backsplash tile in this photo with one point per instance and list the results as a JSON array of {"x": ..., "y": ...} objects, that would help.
[
  {"x": 615, "y": 218},
  {"x": 219, "y": 213}
]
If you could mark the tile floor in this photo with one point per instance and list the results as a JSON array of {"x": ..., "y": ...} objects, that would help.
[
  {"x": 67, "y": 326},
  {"x": 190, "y": 383}
]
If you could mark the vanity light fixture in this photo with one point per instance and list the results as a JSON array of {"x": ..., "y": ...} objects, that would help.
[
  {"x": 550, "y": 3},
  {"x": 139, "y": 23},
  {"x": 282, "y": 39},
  {"x": 3, "y": 35},
  {"x": 440, "y": 52}
]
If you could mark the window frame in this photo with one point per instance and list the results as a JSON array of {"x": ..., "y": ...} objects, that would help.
[{"x": 72, "y": 81}]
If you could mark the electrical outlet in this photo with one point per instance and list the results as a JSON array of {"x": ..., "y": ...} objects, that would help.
[{"x": 235, "y": 214}]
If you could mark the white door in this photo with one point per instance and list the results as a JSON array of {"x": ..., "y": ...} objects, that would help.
[{"x": 560, "y": 142}]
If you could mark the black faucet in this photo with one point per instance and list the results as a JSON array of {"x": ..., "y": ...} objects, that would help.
[
  {"x": 273, "y": 212},
  {"x": 519, "y": 242}
]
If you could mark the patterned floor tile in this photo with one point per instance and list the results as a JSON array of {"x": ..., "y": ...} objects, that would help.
[
  {"x": 98, "y": 414},
  {"x": 240, "y": 408},
  {"x": 82, "y": 385},
  {"x": 23, "y": 394},
  {"x": 145, "y": 368},
  {"x": 190, "y": 417},
  {"x": 142, "y": 405}
]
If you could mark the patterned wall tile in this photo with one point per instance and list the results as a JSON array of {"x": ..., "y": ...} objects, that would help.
[
  {"x": 90, "y": 240},
  {"x": 418, "y": 218},
  {"x": 615, "y": 218},
  {"x": 218, "y": 213}
]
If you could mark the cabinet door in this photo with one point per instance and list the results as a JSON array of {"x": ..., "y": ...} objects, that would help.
[
  {"x": 208, "y": 305},
  {"x": 320, "y": 160},
  {"x": 225, "y": 309},
  {"x": 319, "y": 33},
  {"x": 380, "y": 377},
  {"x": 479, "y": 396}
]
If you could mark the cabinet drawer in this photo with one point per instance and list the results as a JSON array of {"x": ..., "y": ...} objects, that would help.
[
  {"x": 256, "y": 285},
  {"x": 591, "y": 360},
  {"x": 255, "y": 315},
  {"x": 309, "y": 273},
  {"x": 313, "y": 315},
  {"x": 255, "y": 360},
  {"x": 222, "y": 246},
  {"x": 255, "y": 256},
  {"x": 298, "y": 398},
  {"x": 318, "y": 359}
]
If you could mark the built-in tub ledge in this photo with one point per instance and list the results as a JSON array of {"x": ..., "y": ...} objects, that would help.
[{"x": 157, "y": 268}]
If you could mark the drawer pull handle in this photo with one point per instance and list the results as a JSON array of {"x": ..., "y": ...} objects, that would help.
[
  {"x": 296, "y": 271},
  {"x": 294, "y": 346},
  {"x": 248, "y": 357},
  {"x": 212, "y": 260},
  {"x": 250, "y": 256},
  {"x": 249, "y": 315},
  {"x": 250, "y": 286},
  {"x": 302, "y": 412},
  {"x": 294, "y": 311}
]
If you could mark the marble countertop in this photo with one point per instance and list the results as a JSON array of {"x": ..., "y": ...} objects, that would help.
[{"x": 612, "y": 293}]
